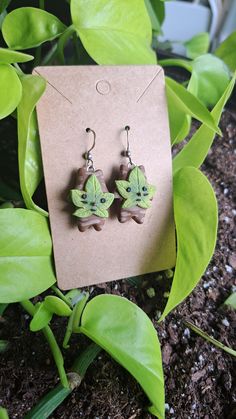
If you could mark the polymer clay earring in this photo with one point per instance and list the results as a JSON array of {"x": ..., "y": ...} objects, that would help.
[
  {"x": 133, "y": 188},
  {"x": 90, "y": 196}
]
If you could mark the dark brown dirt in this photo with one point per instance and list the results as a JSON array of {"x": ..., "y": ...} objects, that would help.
[{"x": 200, "y": 379}]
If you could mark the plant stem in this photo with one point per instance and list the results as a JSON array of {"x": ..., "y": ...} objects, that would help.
[
  {"x": 173, "y": 62},
  {"x": 76, "y": 46},
  {"x": 61, "y": 295},
  {"x": 66, "y": 35},
  {"x": 18, "y": 69},
  {"x": 209, "y": 338},
  {"x": 47, "y": 405},
  {"x": 56, "y": 352},
  {"x": 42, "y": 4}
]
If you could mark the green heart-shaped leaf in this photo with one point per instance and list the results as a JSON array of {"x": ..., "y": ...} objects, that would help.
[
  {"x": 210, "y": 77},
  {"x": 114, "y": 31},
  {"x": 10, "y": 88},
  {"x": 127, "y": 334},
  {"x": 26, "y": 266},
  {"x": 57, "y": 306},
  {"x": 41, "y": 318},
  {"x": 28, "y": 27},
  {"x": 9, "y": 56}
]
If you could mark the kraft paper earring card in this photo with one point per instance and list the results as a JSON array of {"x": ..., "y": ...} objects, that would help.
[{"x": 106, "y": 99}]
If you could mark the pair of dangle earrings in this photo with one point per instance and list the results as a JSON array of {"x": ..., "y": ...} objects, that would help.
[{"x": 93, "y": 200}]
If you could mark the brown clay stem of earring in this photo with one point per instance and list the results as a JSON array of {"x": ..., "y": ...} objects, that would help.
[
  {"x": 136, "y": 213},
  {"x": 91, "y": 221}
]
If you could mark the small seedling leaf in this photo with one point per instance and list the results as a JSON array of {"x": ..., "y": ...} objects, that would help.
[
  {"x": 57, "y": 306},
  {"x": 41, "y": 318}
]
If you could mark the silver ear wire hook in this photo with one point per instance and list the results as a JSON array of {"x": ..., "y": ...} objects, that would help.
[
  {"x": 88, "y": 155},
  {"x": 128, "y": 152}
]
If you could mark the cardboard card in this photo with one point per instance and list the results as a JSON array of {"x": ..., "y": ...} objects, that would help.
[{"x": 106, "y": 99}]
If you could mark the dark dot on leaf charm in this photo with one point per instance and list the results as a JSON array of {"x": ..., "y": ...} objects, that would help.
[
  {"x": 128, "y": 189},
  {"x": 93, "y": 209},
  {"x": 102, "y": 200},
  {"x": 92, "y": 203},
  {"x": 84, "y": 202},
  {"x": 145, "y": 194},
  {"x": 144, "y": 188},
  {"x": 138, "y": 199},
  {"x": 138, "y": 194},
  {"x": 84, "y": 196}
]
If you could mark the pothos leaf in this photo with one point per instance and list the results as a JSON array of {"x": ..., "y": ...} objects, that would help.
[
  {"x": 41, "y": 318},
  {"x": 91, "y": 201},
  {"x": 9, "y": 56},
  {"x": 136, "y": 191}
]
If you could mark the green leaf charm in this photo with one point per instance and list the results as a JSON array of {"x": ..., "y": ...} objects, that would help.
[
  {"x": 91, "y": 201},
  {"x": 136, "y": 191}
]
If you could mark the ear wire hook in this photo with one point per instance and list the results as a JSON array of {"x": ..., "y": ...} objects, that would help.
[
  {"x": 88, "y": 155},
  {"x": 128, "y": 152}
]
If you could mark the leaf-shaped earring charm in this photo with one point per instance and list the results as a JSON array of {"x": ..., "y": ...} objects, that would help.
[
  {"x": 133, "y": 187},
  {"x": 90, "y": 196}
]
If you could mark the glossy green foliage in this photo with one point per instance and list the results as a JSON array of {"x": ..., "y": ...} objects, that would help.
[
  {"x": 28, "y": 27},
  {"x": 45, "y": 310},
  {"x": 182, "y": 102},
  {"x": 127, "y": 334},
  {"x": 195, "y": 212},
  {"x": 29, "y": 155},
  {"x": 136, "y": 191},
  {"x": 195, "y": 152},
  {"x": 210, "y": 77},
  {"x": 114, "y": 32},
  {"x": 9, "y": 56},
  {"x": 231, "y": 300},
  {"x": 41, "y": 317},
  {"x": 57, "y": 306},
  {"x": 10, "y": 88},
  {"x": 91, "y": 201},
  {"x": 25, "y": 255},
  {"x": 3, "y": 413},
  {"x": 227, "y": 51},
  {"x": 197, "y": 45}
]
